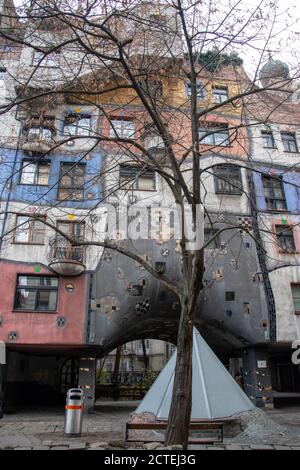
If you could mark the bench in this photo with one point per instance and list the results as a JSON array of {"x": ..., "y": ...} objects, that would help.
[{"x": 201, "y": 425}]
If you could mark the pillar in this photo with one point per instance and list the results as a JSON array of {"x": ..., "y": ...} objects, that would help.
[
  {"x": 2, "y": 371},
  {"x": 257, "y": 376},
  {"x": 87, "y": 381}
]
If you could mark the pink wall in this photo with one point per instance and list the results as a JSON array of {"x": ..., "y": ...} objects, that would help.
[{"x": 41, "y": 328}]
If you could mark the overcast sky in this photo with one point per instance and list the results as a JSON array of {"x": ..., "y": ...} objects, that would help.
[{"x": 284, "y": 46}]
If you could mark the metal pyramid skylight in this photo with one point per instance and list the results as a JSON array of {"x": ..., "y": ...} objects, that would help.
[{"x": 215, "y": 393}]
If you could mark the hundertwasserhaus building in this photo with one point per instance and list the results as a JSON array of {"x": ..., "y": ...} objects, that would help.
[{"x": 63, "y": 307}]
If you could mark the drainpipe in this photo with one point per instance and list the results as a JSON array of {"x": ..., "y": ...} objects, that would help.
[{"x": 10, "y": 184}]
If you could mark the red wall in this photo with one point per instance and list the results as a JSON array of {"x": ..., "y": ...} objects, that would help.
[{"x": 41, "y": 328}]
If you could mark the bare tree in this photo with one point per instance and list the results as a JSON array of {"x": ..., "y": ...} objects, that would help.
[{"x": 136, "y": 58}]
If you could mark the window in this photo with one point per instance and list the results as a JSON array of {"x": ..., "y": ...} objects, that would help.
[
  {"x": 122, "y": 128},
  {"x": 208, "y": 234},
  {"x": 41, "y": 133},
  {"x": 228, "y": 179},
  {"x": 42, "y": 60},
  {"x": 36, "y": 293},
  {"x": 200, "y": 90},
  {"x": 274, "y": 193},
  {"x": 2, "y": 73},
  {"x": 136, "y": 178},
  {"x": 220, "y": 94},
  {"x": 29, "y": 231},
  {"x": 63, "y": 248},
  {"x": 285, "y": 238},
  {"x": 218, "y": 134},
  {"x": 268, "y": 139},
  {"x": 39, "y": 128},
  {"x": 296, "y": 297},
  {"x": 35, "y": 173},
  {"x": 77, "y": 124},
  {"x": 71, "y": 184},
  {"x": 229, "y": 296},
  {"x": 158, "y": 18},
  {"x": 289, "y": 142}
]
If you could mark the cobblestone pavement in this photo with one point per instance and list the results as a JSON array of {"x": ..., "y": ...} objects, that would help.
[{"x": 42, "y": 429}]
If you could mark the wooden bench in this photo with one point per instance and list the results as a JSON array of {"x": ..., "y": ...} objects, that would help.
[{"x": 203, "y": 425}]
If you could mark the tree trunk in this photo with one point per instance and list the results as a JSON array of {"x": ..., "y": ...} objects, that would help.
[
  {"x": 115, "y": 378},
  {"x": 145, "y": 357},
  {"x": 181, "y": 405}
]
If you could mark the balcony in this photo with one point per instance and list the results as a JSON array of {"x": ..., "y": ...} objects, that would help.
[
  {"x": 38, "y": 139},
  {"x": 65, "y": 259}
]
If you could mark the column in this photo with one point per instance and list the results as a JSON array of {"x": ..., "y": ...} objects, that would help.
[
  {"x": 87, "y": 381},
  {"x": 257, "y": 376}
]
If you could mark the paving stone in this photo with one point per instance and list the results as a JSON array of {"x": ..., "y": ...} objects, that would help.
[
  {"x": 261, "y": 447},
  {"x": 197, "y": 447},
  {"x": 152, "y": 445},
  {"x": 97, "y": 448},
  {"x": 77, "y": 446},
  {"x": 45, "y": 428},
  {"x": 234, "y": 447},
  {"x": 23, "y": 448},
  {"x": 41, "y": 448},
  {"x": 94, "y": 445},
  {"x": 60, "y": 448}
]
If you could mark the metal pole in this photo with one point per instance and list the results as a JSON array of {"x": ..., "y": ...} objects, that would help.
[{"x": 2, "y": 372}]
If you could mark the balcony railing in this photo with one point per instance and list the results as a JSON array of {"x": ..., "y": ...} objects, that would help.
[
  {"x": 38, "y": 140},
  {"x": 66, "y": 259}
]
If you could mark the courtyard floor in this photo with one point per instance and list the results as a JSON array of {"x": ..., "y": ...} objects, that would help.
[{"x": 42, "y": 429}]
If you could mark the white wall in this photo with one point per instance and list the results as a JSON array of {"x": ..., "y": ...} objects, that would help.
[{"x": 288, "y": 324}]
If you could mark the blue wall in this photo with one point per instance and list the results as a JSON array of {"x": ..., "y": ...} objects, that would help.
[
  {"x": 47, "y": 195},
  {"x": 292, "y": 194}
]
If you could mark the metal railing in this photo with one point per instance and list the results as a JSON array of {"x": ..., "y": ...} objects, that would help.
[{"x": 61, "y": 250}]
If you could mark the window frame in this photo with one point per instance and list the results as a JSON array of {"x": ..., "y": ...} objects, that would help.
[
  {"x": 3, "y": 74},
  {"x": 117, "y": 133},
  {"x": 288, "y": 141},
  {"x": 31, "y": 230},
  {"x": 201, "y": 92},
  {"x": 134, "y": 180},
  {"x": 71, "y": 252},
  {"x": 37, "y": 173},
  {"x": 73, "y": 166},
  {"x": 38, "y": 289},
  {"x": 274, "y": 199},
  {"x": 218, "y": 97},
  {"x": 47, "y": 61},
  {"x": 77, "y": 118},
  {"x": 216, "y": 240},
  {"x": 226, "y": 167},
  {"x": 297, "y": 284},
  {"x": 282, "y": 237},
  {"x": 270, "y": 134},
  {"x": 211, "y": 132}
]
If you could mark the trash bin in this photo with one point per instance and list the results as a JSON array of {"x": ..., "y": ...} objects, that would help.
[{"x": 74, "y": 411}]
